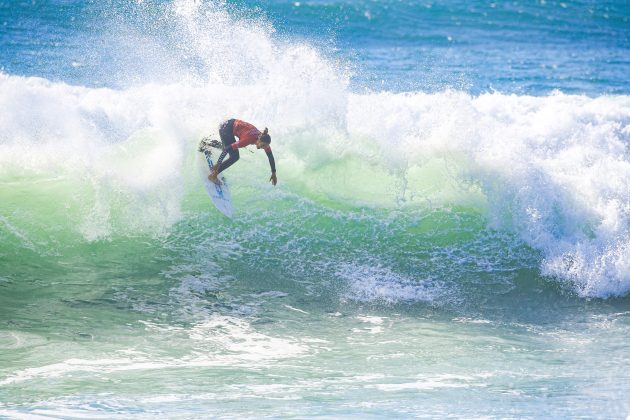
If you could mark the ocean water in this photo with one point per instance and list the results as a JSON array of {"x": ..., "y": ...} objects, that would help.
[{"x": 449, "y": 236}]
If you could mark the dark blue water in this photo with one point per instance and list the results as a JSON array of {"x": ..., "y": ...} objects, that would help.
[
  {"x": 520, "y": 47},
  {"x": 481, "y": 46}
]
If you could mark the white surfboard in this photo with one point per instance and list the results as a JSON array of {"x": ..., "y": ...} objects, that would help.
[{"x": 220, "y": 194}]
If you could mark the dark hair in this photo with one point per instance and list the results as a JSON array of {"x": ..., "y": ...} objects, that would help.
[{"x": 265, "y": 137}]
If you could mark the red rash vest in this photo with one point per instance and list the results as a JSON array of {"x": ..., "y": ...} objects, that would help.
[{"x": 247, "y": 135}]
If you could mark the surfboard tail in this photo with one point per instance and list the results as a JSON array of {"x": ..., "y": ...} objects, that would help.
[{"x": 219, "y": 194}]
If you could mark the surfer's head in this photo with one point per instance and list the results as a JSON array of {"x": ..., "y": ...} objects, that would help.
[{"x": 264, "y": 139}]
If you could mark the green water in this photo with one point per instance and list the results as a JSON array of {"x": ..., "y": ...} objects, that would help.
[{"x": 295, "y": 307}]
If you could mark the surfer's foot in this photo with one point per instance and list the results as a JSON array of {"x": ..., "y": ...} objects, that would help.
[{"x": 213, "y": 177}]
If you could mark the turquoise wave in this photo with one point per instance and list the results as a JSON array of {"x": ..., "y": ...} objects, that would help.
[{"x": 524, "y": 168}]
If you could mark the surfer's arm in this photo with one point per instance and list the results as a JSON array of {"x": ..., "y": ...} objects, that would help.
[{"x": 272, "y": 163}]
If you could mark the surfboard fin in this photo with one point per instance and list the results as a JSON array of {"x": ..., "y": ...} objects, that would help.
[
  {"x": 206, "y": 143},
  {"x": 216, "y": 144}
]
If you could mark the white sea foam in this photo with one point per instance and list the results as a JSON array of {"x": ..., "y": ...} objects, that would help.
[
  {"x": 219, "y": 341},
  {"x": 375, "y": 283},
  {"x": 555, "y": 169}
]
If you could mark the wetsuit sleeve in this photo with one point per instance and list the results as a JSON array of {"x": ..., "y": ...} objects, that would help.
[
  {"x": 237, "y": 144},
  {"x": 272, "y": 161}
]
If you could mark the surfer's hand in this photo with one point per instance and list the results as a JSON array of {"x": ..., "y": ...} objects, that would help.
[{"x": 273, "y": 178}]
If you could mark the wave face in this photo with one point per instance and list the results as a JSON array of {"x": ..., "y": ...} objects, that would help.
[{"x": 552, "y": 170}]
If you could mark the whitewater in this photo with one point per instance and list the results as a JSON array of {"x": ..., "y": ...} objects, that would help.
[
  {"x": 553, "y": 170},
  {"x": 422, "y": 247}
]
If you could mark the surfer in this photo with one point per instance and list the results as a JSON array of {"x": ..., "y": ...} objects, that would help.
[{"x": 247, "y": 135}]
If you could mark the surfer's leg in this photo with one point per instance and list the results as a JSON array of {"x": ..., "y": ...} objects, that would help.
[
  {"x": 234, "y": 156},
  {"x": 226, "y": 131}
]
